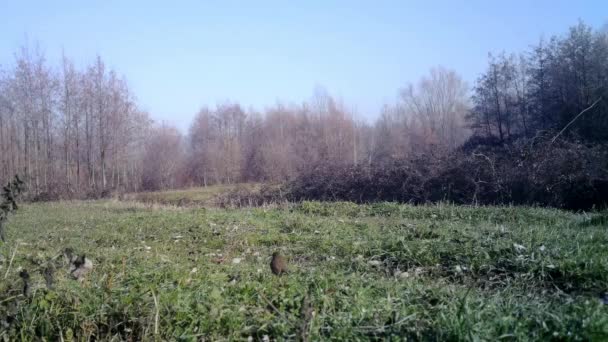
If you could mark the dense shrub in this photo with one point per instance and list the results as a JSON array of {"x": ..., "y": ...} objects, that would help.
[{"x": 563, "y": 174}]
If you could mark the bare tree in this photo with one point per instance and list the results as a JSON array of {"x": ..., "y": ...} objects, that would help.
[
  {"x": 438, "y": 105},
  {"x": 162, "y": 159}
]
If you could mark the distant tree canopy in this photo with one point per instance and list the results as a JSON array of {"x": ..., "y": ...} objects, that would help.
[
  {"x": 545, "y": 88},
  {"x": 80, "y": 133},
  {"x": 68, "y": 131}
]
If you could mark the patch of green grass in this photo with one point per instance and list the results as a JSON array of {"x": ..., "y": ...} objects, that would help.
[
  {"x": 378, "y": 271},
  {"x": 203, "y": 196}
]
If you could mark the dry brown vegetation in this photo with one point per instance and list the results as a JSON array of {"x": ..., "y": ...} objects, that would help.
[{"x": 80, "y": 134}]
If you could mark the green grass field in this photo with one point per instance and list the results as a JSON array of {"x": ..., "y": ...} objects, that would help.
[
  {"x": 381, "y": 271},
  {"x": 200, "y": 196}
]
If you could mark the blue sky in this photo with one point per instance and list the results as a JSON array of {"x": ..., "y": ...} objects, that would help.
[{"x": 180, "y": 55}]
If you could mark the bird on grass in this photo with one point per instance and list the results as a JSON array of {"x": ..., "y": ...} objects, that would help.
[{"x": 278, "y": 265}]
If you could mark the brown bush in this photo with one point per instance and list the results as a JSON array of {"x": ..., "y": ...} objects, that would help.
[{"x": 568, "y": 175}]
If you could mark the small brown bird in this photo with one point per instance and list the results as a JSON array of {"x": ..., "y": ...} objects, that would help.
[{"x": 278, "y": 265}]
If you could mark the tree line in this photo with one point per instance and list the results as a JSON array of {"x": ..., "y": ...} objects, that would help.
[
  {"x": 228, "y": 144},
  {"x": 69, "y": 131},
  {"x": 80, "y": 132},
  {"x": 545, "y": 88}
]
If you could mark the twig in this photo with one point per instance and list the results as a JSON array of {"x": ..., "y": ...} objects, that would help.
[
  {"x": 306, "y": 315},
  {"x": 576, "y": 117},
  {"x": 61, "y": 334},
  {"x": 11, "y": 298},
  {"x": 487, "y": 158},
  {"x": 11, "y": 262},
  {"x": 157, "y": 313},
  {"x": 273, "y": 307}
]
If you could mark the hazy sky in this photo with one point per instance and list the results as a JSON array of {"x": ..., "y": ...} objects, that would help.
[{"x": 179, "y": 55}]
